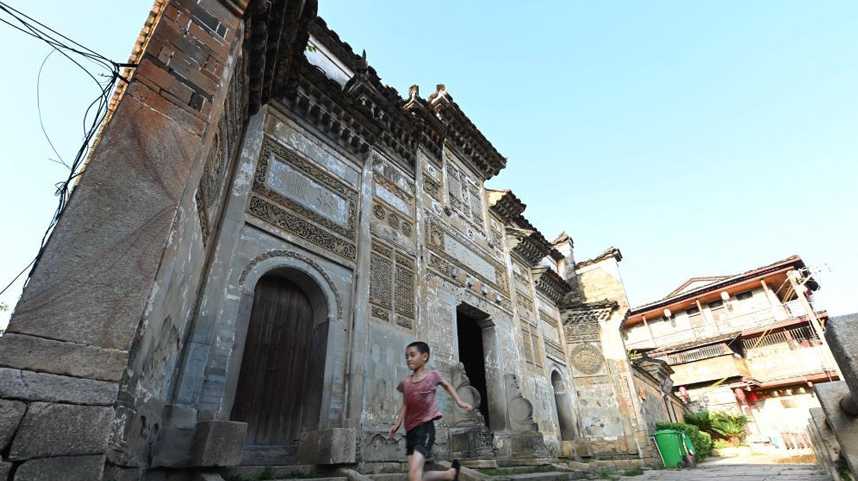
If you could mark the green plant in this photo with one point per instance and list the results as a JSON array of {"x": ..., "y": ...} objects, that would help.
[
  {"x": 701, "y": 441},
  {"x": 729, "y": 426},
  {"x": 720, "y": 425},
  {"x": 721, "y": 444},
  {"x": 700, "y": 419}
]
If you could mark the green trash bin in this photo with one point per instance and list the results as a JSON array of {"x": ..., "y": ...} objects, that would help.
[{"x": 670, "y": 446}]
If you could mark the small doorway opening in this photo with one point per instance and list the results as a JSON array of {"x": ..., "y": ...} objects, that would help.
[{"x": 472, "y": 355}]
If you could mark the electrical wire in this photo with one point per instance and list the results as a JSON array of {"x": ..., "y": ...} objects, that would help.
[{"x": 94, "y": 115}]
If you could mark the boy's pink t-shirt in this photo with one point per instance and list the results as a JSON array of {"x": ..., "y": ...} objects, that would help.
[{"x": 420, "y": 406}]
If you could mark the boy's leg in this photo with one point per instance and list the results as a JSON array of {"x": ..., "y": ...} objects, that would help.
[
  {"x": 417, "y": 461},
  {"x": 446, "y": 475},
  {"x": 415, "y": 466}
]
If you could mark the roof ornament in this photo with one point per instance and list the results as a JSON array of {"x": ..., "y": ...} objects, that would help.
[
  {"x": 440, "y": 90},
  {"x": 413, "y": 92},
  {"x": 362, "y": 64}
]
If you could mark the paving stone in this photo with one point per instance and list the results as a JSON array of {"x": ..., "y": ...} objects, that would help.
[
  {"x": 38, "y": 386},
  {"x": 61, "y": 429},
  {"x": 736, "y": 472},
  {"x": 11, "y": 413},
  {"x": 66, "y": 468},
  {"x": 4, "y": 471}
]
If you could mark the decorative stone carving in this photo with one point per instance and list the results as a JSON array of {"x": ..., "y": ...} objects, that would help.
[
  {"x": 405, "y": 292},
  {"x": 285, "y": 220},
  {"x": 431, "y": 186},
  {"x": 393, "y": 221},
  {"x": 519, "y": 409},
  {"x": 224, "y": 149},
  {"x": 550, "y": 283},
  {"x": 548, "y": 319},
  {"x": 392, "y": 285},
  {"x": 315, "y": 265},
  {"x": 469, "y": 436},
  {"x": 524, "y": 438},
  {"x": 449, "y": 246},
  {"x": 381, "y": 274},
  {"x": 396, "y": 221},
  {"x": 329, "y": 188},
  {"x": 587, "y": 359},
  {"x": 581, "y": 320},
  {"x": 554, "y": 350}
]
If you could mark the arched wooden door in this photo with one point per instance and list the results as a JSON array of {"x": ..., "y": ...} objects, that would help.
[{"x": 274, "y": 368}]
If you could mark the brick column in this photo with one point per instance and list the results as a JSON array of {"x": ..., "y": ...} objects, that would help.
[{"x": 68, "y": 342}]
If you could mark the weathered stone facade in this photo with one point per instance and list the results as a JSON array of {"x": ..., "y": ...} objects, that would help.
[{"x": 261, "y": 231}]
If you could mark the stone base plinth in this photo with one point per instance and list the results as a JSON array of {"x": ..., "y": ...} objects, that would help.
[{"x": 328, "y": 446}]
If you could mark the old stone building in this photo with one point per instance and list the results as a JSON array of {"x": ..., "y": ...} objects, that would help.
[
  {"x": 743, "y": 343},
  {"x": 264, "y": 225}
]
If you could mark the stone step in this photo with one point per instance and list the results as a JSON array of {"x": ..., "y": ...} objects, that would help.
[
  {"x": 311, "y": 479},
  {"x": 388, "y": 477},
  {"x": 543, "y": 476}
]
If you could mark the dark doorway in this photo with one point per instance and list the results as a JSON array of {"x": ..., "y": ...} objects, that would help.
[
  {"x": 472, "y": 356},
  {"x": 273, "y": 382}
]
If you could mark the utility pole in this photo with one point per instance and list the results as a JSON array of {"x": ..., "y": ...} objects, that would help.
[{"x": 797, "y": 282}]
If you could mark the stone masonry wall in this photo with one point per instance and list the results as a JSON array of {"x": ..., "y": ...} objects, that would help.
[
  {"x": 97, "y": 298},
  {"x": 609, "y": 409}
]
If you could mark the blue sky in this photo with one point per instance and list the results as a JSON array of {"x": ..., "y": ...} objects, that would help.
[{"x": 698, "y": 137}]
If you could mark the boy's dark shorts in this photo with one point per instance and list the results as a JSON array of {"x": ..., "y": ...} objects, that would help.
[{"x": 420, "y": 439}]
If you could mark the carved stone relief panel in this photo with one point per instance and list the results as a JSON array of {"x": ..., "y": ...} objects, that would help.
[
  {"x": 397, "y": 225},
  {"x": 225, "y": 147},
  {"x": 432, "y": 181},
  {"x": 309, "y": 147},
  {"x": 297, "y": 196},
  {"x": 464, "y": 192},
  {"x": 458, "y": 255},
  {"x": 392, "y": 186},
  {"x": 496, "y": 233},
  {"x": 288, "y": 222},
  {"x": 586, "y": 359},
  {"x": 583, "y": 325},
  {"x": 552, "y": 336},
  {"x": 522, "y": 277},
  {"x": 392, "y": 285}
]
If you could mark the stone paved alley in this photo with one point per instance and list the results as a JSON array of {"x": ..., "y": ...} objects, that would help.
[{"x": 738, "y": 472}]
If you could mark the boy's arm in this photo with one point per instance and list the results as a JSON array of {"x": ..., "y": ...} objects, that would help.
[
  {"x": 399, "y": 418},
  {"x": 452, "y": 392}
]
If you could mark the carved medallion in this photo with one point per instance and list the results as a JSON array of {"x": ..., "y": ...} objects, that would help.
[
  {"x": 378, "y": 211},
  {"x": 393, "y": 221},
  {"x": 587, "y": 359}
]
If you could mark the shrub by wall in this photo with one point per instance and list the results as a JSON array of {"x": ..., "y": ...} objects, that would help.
[{"x": 702, "y": 441}]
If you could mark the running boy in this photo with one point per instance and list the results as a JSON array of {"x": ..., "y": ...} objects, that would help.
[{"x": 419, "y": 412}]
